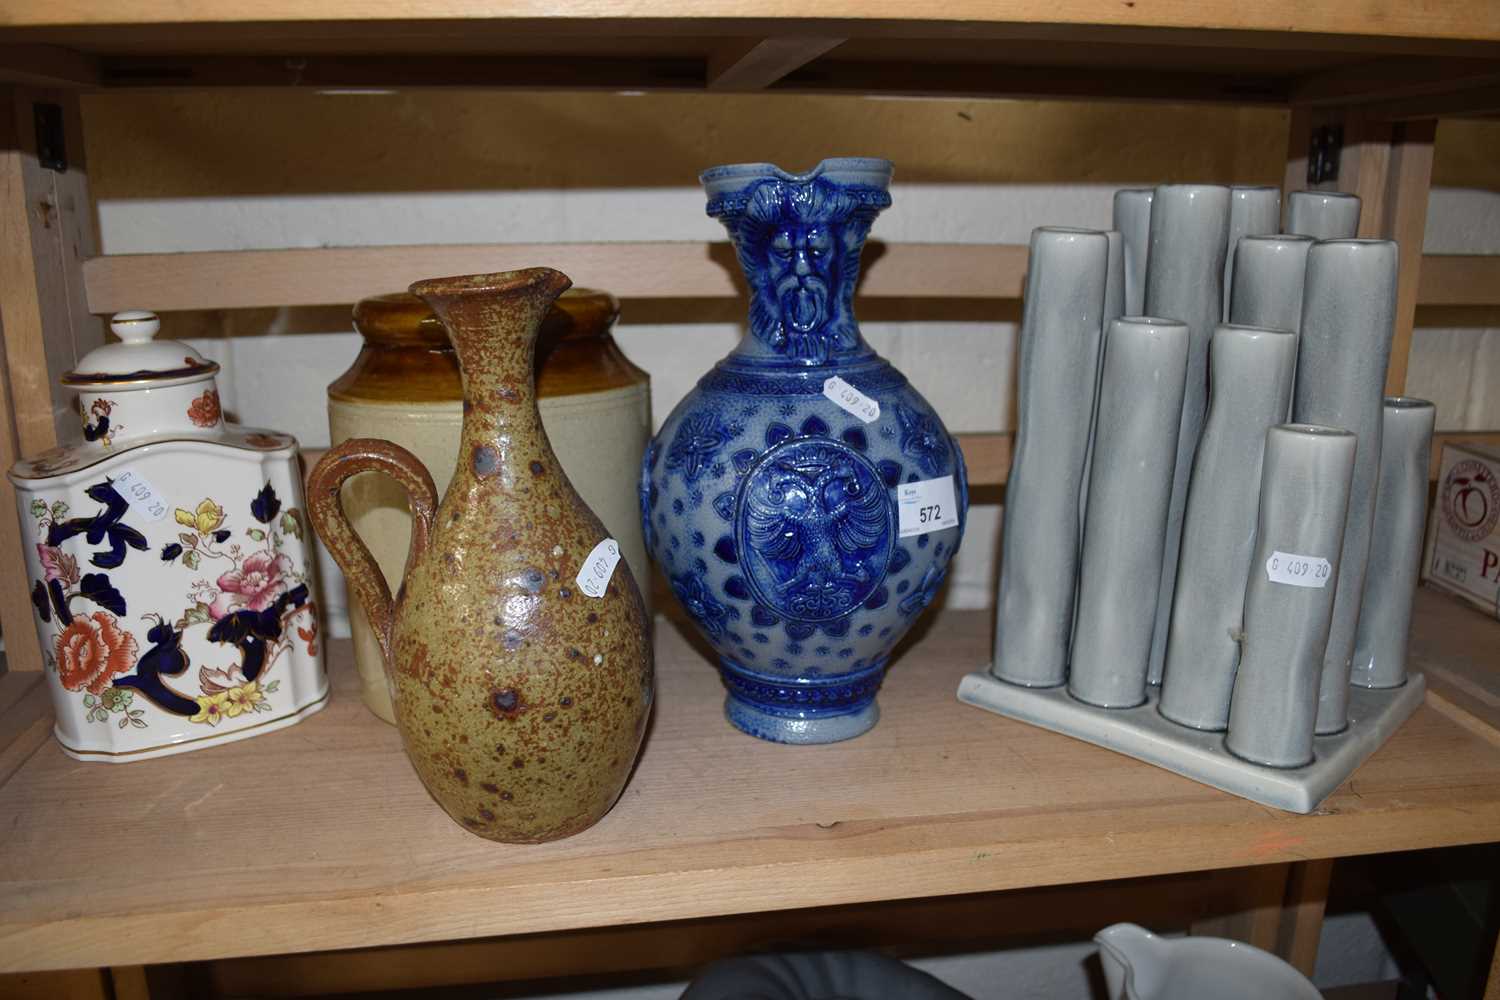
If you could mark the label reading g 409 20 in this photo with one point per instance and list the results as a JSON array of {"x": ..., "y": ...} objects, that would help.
[
  {"x": 1298, "y": 571},
  {"x": 593, "y": 577},
  {"x": 926, "y": 506},
  {"x": 142, "y": 498},
  {"x": 850, "y": 399}
]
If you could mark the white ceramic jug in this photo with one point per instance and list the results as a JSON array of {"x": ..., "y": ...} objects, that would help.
[{"x": 1138, "y": 965}]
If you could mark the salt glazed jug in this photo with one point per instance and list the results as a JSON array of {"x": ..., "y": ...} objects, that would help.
[
  {"x": 1138, "y": 965},
  {"x": 171, "y": 571},
  {"x": 517, "y": 647},
  {"x": 803, "y": 500}
]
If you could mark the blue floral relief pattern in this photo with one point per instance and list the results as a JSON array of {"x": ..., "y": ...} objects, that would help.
[
  {"x": 699, "y": 602},
  {"x": 926, "y": 591},
  {"x": 698, "y": 439},
  {"x": 922, "y": 439}
]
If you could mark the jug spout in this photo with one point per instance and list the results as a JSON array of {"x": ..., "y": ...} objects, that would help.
[{"x": 1133, "y": 958}]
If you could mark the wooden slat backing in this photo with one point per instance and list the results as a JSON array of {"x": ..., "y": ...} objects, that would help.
[
  {"x": 46, "y": 231},
  {"x": 247, "y": 279},
  {"x": 253, "y": 279},
  {"x": 987, "y": 454},
  {"x": 1452, "y": 280}
]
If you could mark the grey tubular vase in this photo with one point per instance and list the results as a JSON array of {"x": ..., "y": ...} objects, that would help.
[
  {"x": 1268, "y": 274},
  {"x": 1114, "y": 305},
  {"x": 1250, "y": 388},
  {"x": 1253, "y": 211},
  {"x": 1396, "y": 543},
  {"x": 1267, "y": 292},
  {"x": 1140, "y": 405},
  {"x": 1184, "y": 281},
  {"x": 1132, "y": 219},
  {"x": 1348, "y": 320},
  {"x": 1057, "y": 360},
  {"x": 1304, "y": 495},
  {"x": 1323, "y": 215}
]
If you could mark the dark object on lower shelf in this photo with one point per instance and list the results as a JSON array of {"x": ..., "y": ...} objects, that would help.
[{"x": 821, "y": 975}]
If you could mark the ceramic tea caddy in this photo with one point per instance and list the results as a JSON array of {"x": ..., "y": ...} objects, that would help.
[{"x": 169, "y": 561}]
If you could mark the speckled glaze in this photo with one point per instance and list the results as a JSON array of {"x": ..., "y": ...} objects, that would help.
[{"x": 521, "y": 701}]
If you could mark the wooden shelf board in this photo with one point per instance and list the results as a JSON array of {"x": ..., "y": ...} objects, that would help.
[
  {"x": 320, "y": 837},
  {"x": 1095, "y": 49},
  {"x": 1382, "y": 18}
]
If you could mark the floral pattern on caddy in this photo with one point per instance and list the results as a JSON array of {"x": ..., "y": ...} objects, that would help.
[{"x": 246, "y": 607}]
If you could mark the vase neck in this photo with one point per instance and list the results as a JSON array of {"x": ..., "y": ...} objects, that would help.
[
  {"x": 799, "y": 241},
  {"x": 492, "y": 320}
]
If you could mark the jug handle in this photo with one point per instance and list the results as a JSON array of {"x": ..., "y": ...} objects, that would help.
[{"x": 361, "y": 572}]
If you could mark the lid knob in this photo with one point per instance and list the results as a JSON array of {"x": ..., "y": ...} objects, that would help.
[{"x": 135, "y": 326}]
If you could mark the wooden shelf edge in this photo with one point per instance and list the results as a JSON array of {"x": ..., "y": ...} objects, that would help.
[{"x": 1439, "y": 19}]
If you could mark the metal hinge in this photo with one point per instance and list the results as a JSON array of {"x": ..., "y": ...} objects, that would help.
[
  {"x": 51, "y": 149},
  {"x": 1323, "y": 154}
]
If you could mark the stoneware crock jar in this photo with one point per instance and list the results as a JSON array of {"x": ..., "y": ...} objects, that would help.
[
  {"x": 517, "y": 645},
  {"x": 803, "y": 500},
  {"x": 170, "y": 561},
  {"x": 404, "y": 387}
]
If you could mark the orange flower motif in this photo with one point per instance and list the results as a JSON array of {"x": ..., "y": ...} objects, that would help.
[
  {"x": 205, "y": 410},
  {"x": 92, "y": 650}
]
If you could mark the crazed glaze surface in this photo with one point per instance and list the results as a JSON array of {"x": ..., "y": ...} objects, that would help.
[
  {"x": 771, "y": 509},
  {"x": 521, "y": 701}
]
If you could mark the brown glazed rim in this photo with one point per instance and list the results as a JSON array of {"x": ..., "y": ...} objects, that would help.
[
  {"x": 407, "y": 357},
  {"x": 496, "y": 282}
]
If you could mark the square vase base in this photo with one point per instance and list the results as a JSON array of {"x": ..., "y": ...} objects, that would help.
[{"x": 1143, "y": 733}]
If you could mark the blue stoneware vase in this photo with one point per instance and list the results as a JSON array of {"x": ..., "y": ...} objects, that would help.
[{"x": 803, "y": 535}]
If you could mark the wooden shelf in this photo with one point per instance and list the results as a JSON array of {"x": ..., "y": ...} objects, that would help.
[
  {"x": 1387, "y": 53},
  {"x": 320, "y": 837}
]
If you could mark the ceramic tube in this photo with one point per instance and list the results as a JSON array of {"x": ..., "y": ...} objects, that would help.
[
  {"x": 1114, "y": 304},
  {"x": 1132, "y": 219},
  {"x": 1396, "y": 544},
  {"x": 1304, "y": 496},
  {"x": 1253, "y": 211},
  {"x": 1140, "y": 407},
  {"x": 1057, "y": 359},
  {"x": 1184, "y": 281},
  {"x": 1323, "y": 215},
  {"x": 1348, "y": 320},
  {"x": 1267, "y": 291},
  {"x": 1250, "y": 388}
]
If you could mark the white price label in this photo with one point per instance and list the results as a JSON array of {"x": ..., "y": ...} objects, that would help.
[
  {"x": 142, "y": 498},
  {"x": 1298, "y": 571},
  {"x": 926, "y": 506},
  {"x": 851, "y": 400},
  {"x": 593, "y": 578}
]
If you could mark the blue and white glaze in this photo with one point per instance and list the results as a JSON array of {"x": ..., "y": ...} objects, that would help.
[{"x": 770, "y": 509}]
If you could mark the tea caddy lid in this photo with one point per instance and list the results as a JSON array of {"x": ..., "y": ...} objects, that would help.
[{"x": 139, "y": 360}]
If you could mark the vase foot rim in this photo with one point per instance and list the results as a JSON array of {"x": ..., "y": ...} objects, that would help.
[{"x": 776, "y": 727}]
